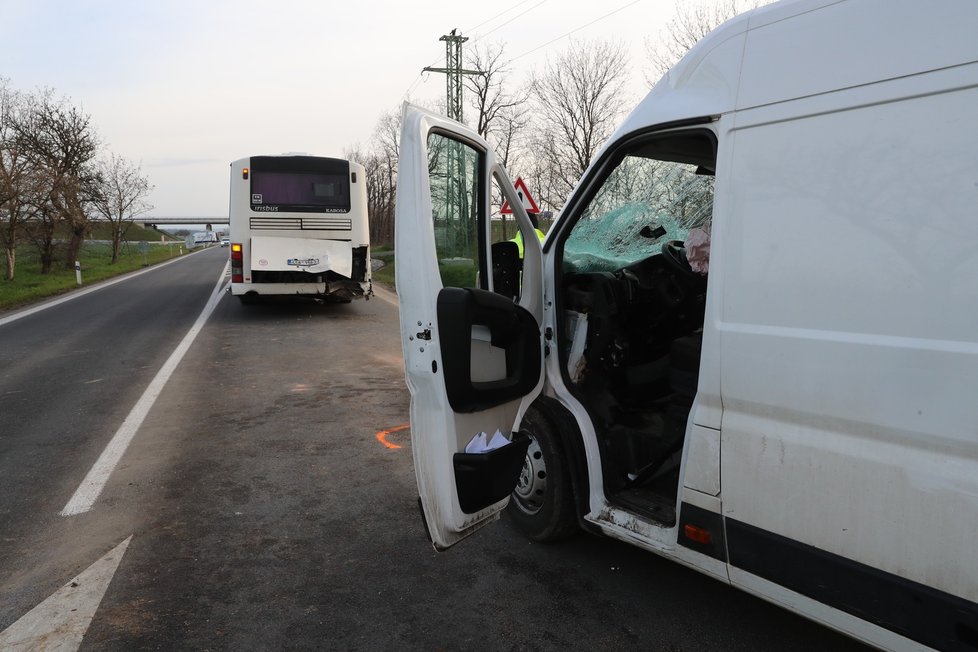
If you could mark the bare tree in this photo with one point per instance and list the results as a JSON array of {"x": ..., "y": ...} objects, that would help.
[
  {"x": 59, "y": 142},
  {"x": 690, "y": 24},
  {"x": 386, "y": 148},
  {"x": 509, "y": 135},
  {"x": 119, "y": 196},
  {"x": 16, "y": 179},
  {"x": 489, "y": 97},
  {"x": 579, "y": 100},
  {"x": 380, "y": 163}
]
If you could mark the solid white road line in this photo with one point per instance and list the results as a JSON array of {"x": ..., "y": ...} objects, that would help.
[
  {"x": 98, "y": 476},
  {"x": 100, "y": 286},
  {"x": 60, "y": 622}
]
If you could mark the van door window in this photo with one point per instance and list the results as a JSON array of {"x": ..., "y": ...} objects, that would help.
[
  {"x": 633, "y": 312},
  {"x": 453, "y": 173}
]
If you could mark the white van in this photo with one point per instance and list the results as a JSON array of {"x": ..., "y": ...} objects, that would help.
[{"x": 802, "y": 421}]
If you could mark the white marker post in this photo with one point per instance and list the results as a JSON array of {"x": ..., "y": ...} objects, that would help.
[{"x": 78, "y": 272}]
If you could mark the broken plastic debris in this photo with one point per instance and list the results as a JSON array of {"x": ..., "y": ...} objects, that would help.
[{"x": 482, "y": 443}]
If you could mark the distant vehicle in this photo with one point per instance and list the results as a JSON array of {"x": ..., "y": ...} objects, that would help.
[
  {"x": 204, "y": 237},
  {"x": 796, "y": 422},
  {"x": 225, "y": 242},
  {"x": 298, "y": 226}
]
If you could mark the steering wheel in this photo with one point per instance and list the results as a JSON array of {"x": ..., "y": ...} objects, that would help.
[{"x": 674, "y": 253}]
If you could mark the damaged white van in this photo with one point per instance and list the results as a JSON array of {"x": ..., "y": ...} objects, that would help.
[{"x": 794, "y": 413}]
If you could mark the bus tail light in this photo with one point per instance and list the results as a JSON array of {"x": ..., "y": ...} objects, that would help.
[{"x": 237, "y": 263}]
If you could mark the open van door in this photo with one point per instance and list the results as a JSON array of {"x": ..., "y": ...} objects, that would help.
[{"x": 473, "y": 358}]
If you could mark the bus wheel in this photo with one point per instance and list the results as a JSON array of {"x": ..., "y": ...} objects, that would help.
[
  {"x": 542, "y": 505},
  {"x": 249, "y": 298}
]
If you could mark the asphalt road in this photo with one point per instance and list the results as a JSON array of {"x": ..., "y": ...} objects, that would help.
[{"x": 265, "y": 513}]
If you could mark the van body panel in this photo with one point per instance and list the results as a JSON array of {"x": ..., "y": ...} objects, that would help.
[
  {"x": 703, "y": 83},
  {"x": 848, "y": 44},
  {"x": 703, "y": 460},
  {"x": 849, "y": 328}
]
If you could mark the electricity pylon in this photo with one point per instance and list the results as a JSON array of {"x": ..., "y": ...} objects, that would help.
[{"x": 453, "y": 71}]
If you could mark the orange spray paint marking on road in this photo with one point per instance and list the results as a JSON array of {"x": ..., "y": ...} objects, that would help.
[{"x": 382, "y": 435}]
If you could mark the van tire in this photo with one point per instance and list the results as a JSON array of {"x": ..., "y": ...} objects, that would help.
[{"x": 542, "y": 505}]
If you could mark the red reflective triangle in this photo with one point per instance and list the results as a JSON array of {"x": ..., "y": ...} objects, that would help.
[{"x": 525, "y": 198}]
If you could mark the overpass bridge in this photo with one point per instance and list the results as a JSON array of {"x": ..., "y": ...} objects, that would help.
[{"x": 153, "y": 221}]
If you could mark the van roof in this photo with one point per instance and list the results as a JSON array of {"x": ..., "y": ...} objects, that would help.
[{"x": 799, "y": 48}]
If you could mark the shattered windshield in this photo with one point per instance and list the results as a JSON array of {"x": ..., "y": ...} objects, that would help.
[{"x": 643, "y": 203}]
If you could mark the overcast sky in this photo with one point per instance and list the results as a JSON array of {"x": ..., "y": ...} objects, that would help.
[{"x": 186, "y": 86}]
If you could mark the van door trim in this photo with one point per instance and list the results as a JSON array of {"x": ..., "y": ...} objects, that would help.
[
  {"x": 921, "y": 613},
  {"x": 691, "y": 516}
]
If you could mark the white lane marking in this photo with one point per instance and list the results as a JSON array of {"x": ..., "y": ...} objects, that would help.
[
  {"x": 60, "y": 622},
  {"x": 100, "y": 286},
  {"x": 90, "y": 488},
  {"x": 385, "y": 294}
]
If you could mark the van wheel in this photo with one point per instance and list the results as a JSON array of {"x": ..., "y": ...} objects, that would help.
[{"x": 542, "y": 504}]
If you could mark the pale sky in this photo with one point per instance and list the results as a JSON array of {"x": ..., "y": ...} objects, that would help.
[{"x": 186, "y": 86}]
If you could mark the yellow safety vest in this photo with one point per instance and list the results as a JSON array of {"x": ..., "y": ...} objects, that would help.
[{"x": 519, "y": 240}]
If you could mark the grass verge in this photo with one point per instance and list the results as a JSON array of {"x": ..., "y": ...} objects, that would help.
[
  {"x": 384, "y": 274},
  {"x": 29, "y": 285}
]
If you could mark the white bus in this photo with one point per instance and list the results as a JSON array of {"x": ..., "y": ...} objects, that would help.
[{"x": 299, "y": 227}]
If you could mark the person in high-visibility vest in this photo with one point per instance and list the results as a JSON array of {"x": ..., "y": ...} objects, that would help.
[{"x": 536, "y": 227}]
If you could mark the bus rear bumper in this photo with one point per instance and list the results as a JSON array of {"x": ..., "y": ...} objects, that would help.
[{"x": 336, "y": 290}]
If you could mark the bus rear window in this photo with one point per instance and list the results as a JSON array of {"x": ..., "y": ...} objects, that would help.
[{"x": 299, "y": 188}]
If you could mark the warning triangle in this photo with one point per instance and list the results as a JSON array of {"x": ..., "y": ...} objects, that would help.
[{"x": 525, "y": 198}]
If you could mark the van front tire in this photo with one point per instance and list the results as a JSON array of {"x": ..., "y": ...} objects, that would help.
[{"x": 542, "y": 505}]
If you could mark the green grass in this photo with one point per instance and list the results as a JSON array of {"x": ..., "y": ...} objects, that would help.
[
  {"x": 385, "y": 274},
  {"x": 30, "y": 285}
]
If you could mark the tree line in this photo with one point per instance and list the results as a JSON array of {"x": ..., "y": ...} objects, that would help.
[{"x": 56, "y": 178}]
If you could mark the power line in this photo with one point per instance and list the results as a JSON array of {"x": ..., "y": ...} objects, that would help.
[
  {"x": 519, "y": 15},
  {"x": 489, "y": 20},
  {"x": 577, "y": 29}
]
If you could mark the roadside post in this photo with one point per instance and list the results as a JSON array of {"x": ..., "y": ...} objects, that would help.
[{"x": 78, "y": 272}]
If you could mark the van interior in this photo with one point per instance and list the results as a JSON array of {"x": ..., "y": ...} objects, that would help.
[{"x": 632, "y": 310}]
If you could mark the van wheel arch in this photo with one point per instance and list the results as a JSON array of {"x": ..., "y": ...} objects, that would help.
[{"x": 559, "y": 453}]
